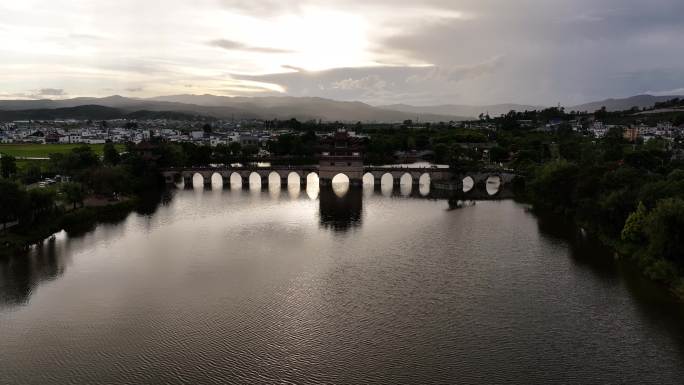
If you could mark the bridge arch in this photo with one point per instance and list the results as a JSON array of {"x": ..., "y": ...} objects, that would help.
[
  {"x": 468, "y": 183},
  {"x": 340, "y": 184},
  {"x": 406, "y": 179},
  {"x": 255, "y": 181},
  {"x": 293, "y": 183},
  {"x": 197, "y": 180},
  {"x": 425, "y": 179},
  {"x": 293, "y": 178},
  {"x": 216, "y": 181},
  {"x": 493, "y": 184},
  {"x": 386, "y": 184},
  {"x": 368, "y": 179},
  {"x": 235, "y": 180},
  {"x": 313, "y": 187},
  {"x": 274, "y": 180},
  {"x": 387, "y": 179},
  {"x": 312, "y": 179}
]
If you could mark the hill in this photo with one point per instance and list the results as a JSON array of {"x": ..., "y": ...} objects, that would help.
[
  {"x": 222, "y": 107},
  {"x": 92, "y": 112},
  {"x": 641, "y": 101},
  {"x": 84, "y": 112},
  {"x": 460, "y": 111},
  {"x": 275, "y": 107}
]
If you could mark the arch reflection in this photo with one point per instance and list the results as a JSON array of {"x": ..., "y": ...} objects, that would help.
[{"x": 340, "y": 213}]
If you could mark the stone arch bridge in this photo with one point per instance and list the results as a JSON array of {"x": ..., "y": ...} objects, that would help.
[{"x": 438, "y": 177}]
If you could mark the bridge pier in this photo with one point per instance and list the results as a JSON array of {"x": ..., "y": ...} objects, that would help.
[
  {"x": 283, "y": 182},
  {"x": 187, "y": 180}
]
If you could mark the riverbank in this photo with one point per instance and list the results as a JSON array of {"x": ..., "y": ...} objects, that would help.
[
  {"x": 656, "y": 269},
  {"x": 20, "y": 238}
]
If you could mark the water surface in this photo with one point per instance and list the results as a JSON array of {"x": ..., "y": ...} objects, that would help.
[{"x": 297, "y": 286}]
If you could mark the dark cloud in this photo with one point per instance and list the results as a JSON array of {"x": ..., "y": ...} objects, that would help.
[
  {"x": 51, "y": 92},
  {"x": 237, "y": 46},
  {"x": 553, "y": 51},
  {"x": 379, "y": 84}
]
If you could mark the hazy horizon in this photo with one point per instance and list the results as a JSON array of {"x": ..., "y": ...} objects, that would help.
[{"x": 438, "y": 52}]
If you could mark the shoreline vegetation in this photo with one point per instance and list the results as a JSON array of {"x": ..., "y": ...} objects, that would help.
[
  {"x": 639, "y": 217},
  {"x": 78, "y": 187},
  {"x": 77, "y": 221}
]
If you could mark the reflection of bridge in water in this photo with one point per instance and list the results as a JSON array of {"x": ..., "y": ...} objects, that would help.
[{"x": 341, "y": 204}]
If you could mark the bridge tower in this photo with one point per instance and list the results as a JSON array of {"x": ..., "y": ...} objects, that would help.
[{"x": 341, "y": 153}]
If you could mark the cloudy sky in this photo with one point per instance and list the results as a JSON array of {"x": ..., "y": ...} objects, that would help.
[{"x": 378, "y": 51}]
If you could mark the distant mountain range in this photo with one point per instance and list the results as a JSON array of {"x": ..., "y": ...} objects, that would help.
[
  {"x": 285, "y": 107},
  {"x": 222, "y": 107},
  {"x": 459, "y": 109},
  {"x": 93, "y": 112},
  {"x": 640, "y": 101}
]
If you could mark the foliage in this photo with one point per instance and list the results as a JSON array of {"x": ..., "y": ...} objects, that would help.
[
  {"x": 110, "y": 154},
  {"x": 665, "y": 231},
  {"x": 107, "y": 180},
  {"x": 550, "y": 185},
  {"x": 8, "y": 166},
  {"x": 73, "y": 193},
  {"x": 634, "y": 229},
  {"x": 13, "y": 201}
]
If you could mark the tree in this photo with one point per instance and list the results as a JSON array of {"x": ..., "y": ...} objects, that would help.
[
  {"x": 41, "y": 200},
  {"x": 552, "y": 186},
  {"x": 498, "y": 154},
  {"x": 80, "y": 158},
  {"x": 234, "y": 148},
  {"x": 633, "y": 231},
  {"x": 612, "y": 145},
  {"x": 32, "y": 174},
  {"x": 111, "y": 155},
  {"x": 12, "y": 201},
  {"x": 601, "y": 114},
  {"x": 249, "y": 150},
  {"x": 73, "y": 193},
  {"x": 107, "y": 180},
  {"x": 665, "y": 230},
  {"x": 8, "y": 166}
]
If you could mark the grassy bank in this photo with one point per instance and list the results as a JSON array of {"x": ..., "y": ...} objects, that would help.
[{"x": 44, "y": 150}]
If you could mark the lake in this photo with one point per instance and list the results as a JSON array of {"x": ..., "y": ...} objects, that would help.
[{"x": 316, "y": 287}]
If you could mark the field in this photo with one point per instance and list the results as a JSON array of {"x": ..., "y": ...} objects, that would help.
[{"x": 44, "y": 150}]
